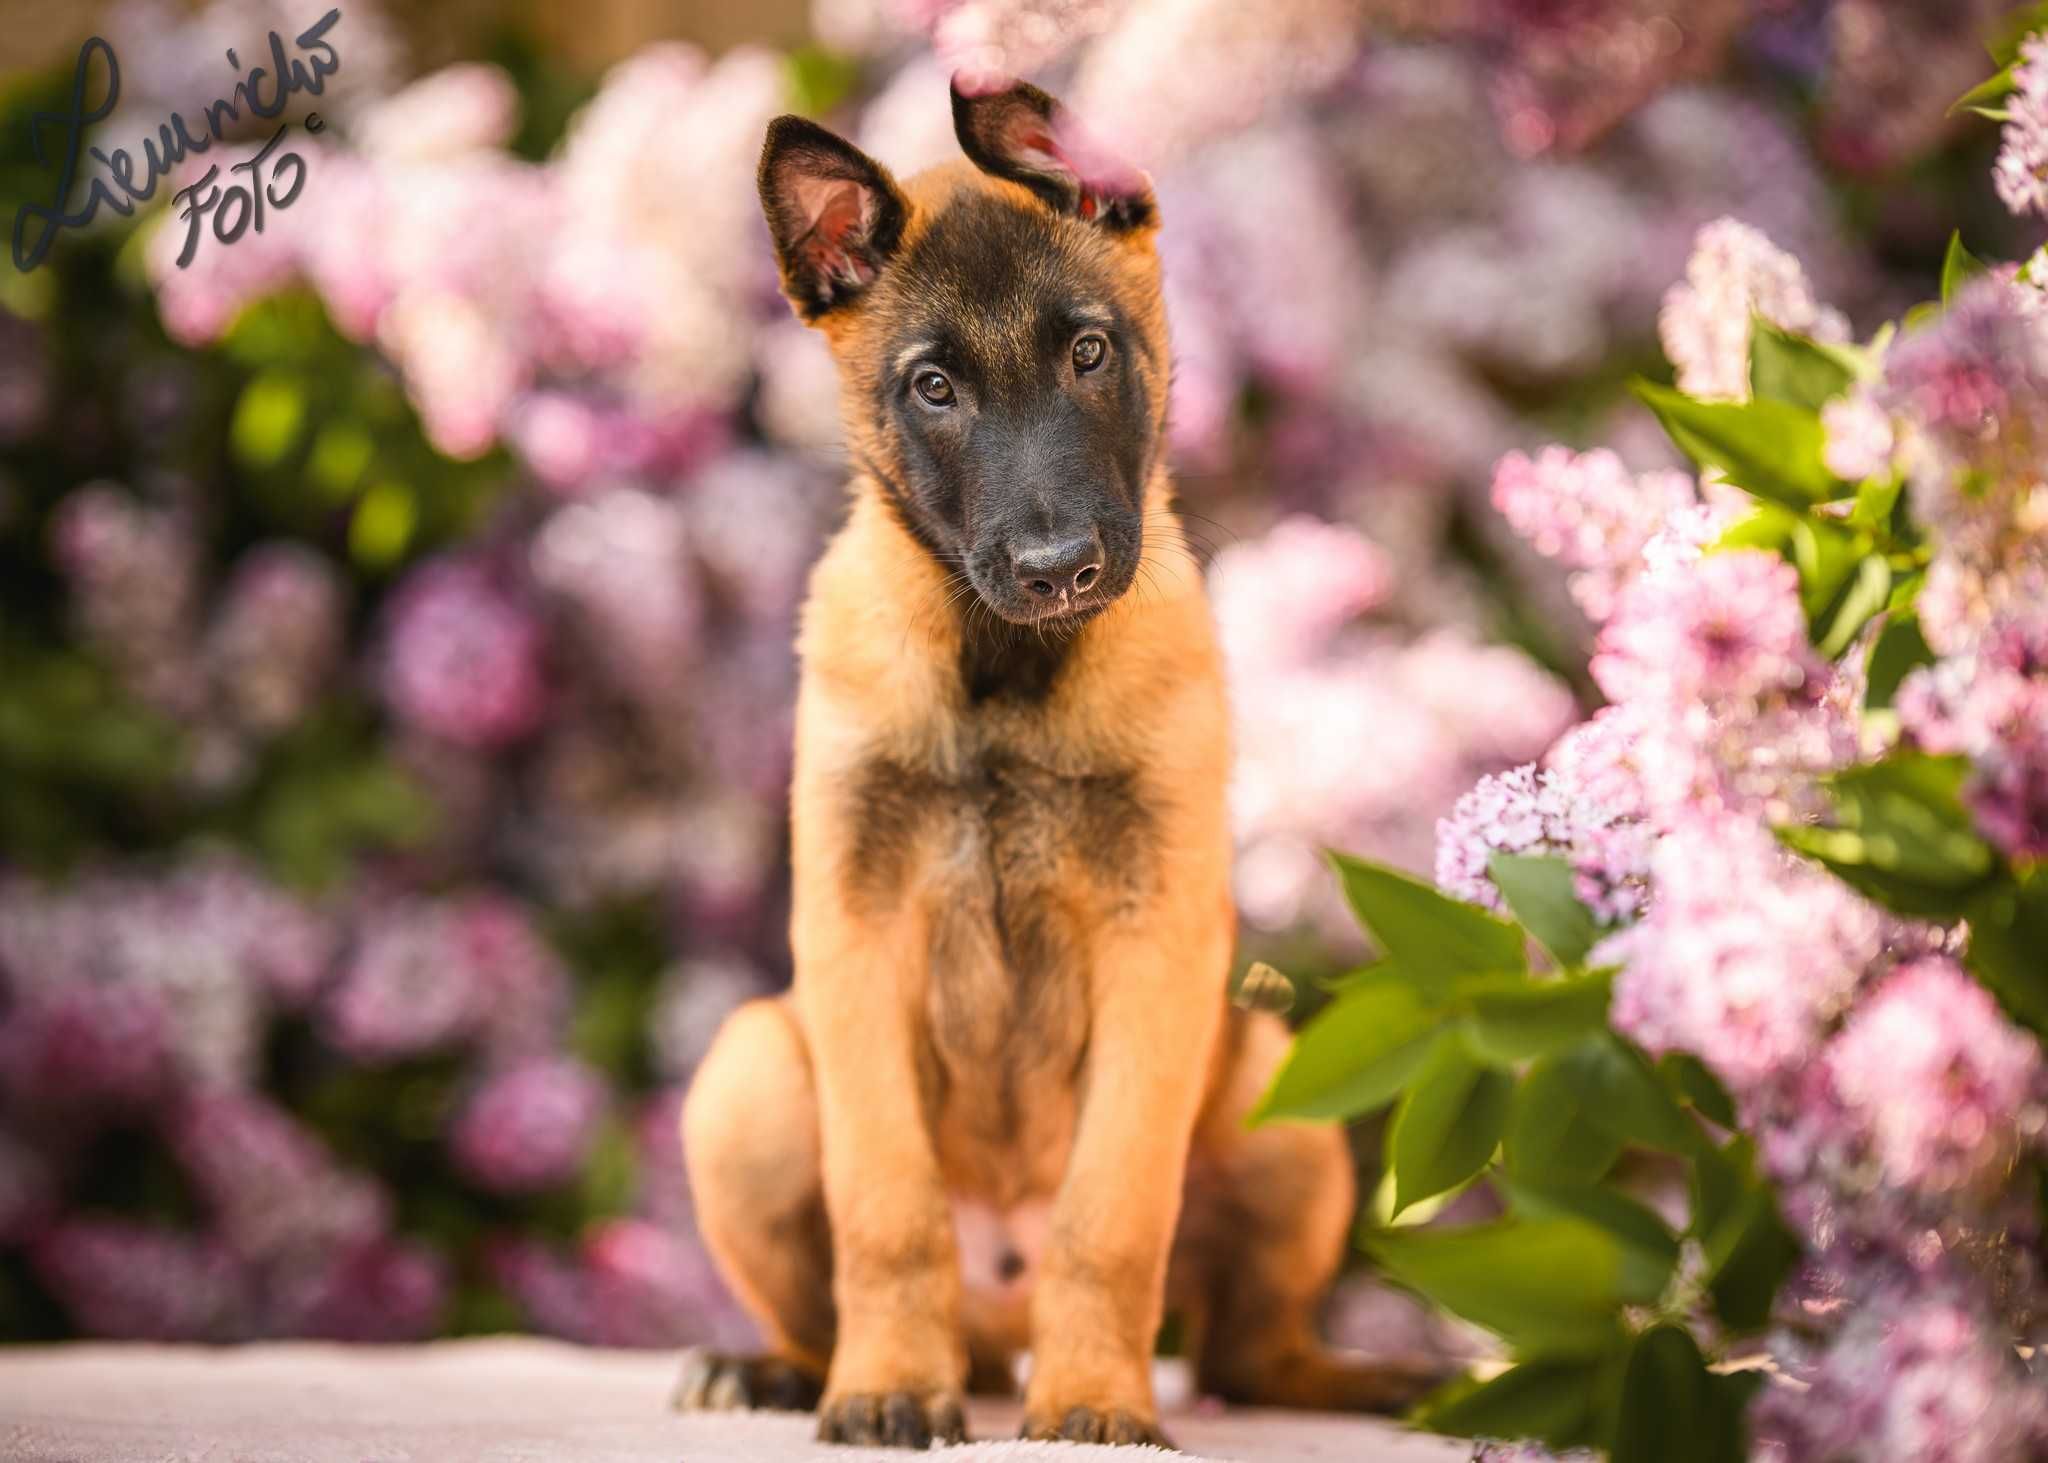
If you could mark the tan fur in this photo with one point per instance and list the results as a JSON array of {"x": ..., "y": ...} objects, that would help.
[{"x": 1012, "y": 930}]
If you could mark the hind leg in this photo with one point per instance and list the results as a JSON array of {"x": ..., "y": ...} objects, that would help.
[
  {"x": 1262, "y": 1234},
  {"x": 750, "y": 1145}
]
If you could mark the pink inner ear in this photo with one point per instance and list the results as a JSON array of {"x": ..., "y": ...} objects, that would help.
[
  {"x": 1064, "y": 150},
  {"x": 840, "y": 212}
]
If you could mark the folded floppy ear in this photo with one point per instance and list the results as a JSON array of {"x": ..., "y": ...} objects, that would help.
[
  {"x": 835, "y": 214},
  {"x": 1015, "y": 131}
]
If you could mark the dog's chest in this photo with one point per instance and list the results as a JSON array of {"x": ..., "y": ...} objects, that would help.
[{"x": 1018, "y": 868}]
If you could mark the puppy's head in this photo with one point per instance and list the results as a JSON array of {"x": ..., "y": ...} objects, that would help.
[{"x": 1000, "y": 340}]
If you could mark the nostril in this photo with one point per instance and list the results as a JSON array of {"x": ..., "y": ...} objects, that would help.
[
  {"x": 1085, "y": 580},
  {"x": 1042, "y": 586}
]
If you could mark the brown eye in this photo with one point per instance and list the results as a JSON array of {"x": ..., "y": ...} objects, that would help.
[
  {"x": 1088, "y": 353},
  {"x": 934, "y": 388}
]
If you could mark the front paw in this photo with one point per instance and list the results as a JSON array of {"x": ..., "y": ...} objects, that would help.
[
  {"x": 892, "y": 1419},
  {"x": 1091, "y": 1425}
]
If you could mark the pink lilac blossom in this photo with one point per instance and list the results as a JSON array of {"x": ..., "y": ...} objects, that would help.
[
  {"x": 464, "y": 658},
  {"x": 1570, "y": 71},
  {"x": 1735, "y": 273},
  {"x": 1728, "y": 633},
  {"x": 1860, "y": 440},
  {"x": 629, "y": 1283},
  {"x": 1745, "y": 956},
  {"x": 1991, "y": 705},
  {"x": 529, "y": 1127},
  {"x": 1917, "y": 1374},
  {"x": 2021, "y": 173},
  {"x": 1535, "y": 811},
  {"x": 1590, "y": 512},
  {"x": 1943, "y": 1088}
]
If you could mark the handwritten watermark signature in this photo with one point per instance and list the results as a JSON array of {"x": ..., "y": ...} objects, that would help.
[{"x": 232, "y": 209}]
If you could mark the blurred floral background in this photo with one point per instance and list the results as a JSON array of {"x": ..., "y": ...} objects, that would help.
[{"x": 396, "y": 604}]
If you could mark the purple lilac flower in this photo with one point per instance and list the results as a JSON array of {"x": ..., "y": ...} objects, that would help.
[
  {"x": 139, "y": 1282},
  {"x": 1912, "y": 1377},
  {"x": 271, "y": 1186},
  {"x": 404, "y": 988},
  {"x": 522, "y": 987},
  {"x": 529, "y": 1127},
  {"x": 696, "y": 996},
  {"x": 90, "y": 1043},
  {"x": 1991, "y": 704},
  {"x": 464, "y": 658},
  {"x": 134, "y": 577},
  {"x": 380, "y": 1290},
  {"x": 276, "y": 635}
]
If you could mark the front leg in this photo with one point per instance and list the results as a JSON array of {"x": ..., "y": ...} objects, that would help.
[
  {"x": 1097, "y": 1305},
  {"x": 899, "y": 1360}
]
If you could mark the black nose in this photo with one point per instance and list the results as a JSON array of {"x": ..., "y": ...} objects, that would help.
[{"x": 1048, "y": 567}]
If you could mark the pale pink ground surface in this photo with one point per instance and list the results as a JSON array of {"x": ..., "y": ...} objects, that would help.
[{"x": 516, "y": 1401}]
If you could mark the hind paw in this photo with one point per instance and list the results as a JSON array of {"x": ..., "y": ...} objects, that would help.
[{"x": 717, "y": 1381}]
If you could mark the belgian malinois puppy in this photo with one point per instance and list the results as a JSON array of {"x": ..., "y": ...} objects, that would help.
[{"x": 1002, "y": 1105}]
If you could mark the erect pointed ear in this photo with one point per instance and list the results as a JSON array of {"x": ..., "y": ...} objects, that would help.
[
  {"x": 1015, "y": 131},
  {"x": 835, "y": 213}
]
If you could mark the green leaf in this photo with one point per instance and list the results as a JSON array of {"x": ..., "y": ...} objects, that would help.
[
  {"x": 1552, "y": 1133},
  {"x": 1355, "y": 1055},
  {"x": 1864, "y": 597},
  {"x": 1827, "y": 559},
  {"x": 1766, "y": 526},
  {"x": 1747, "y": 1248},
  {"x": 1958, "y": 266},
  {"x": 1551, "y": 1287},
  {"x": 1557, "y": 1402},
  {"x": 1649, "y": 1245},
  {"x": 1910, "y": 812},
  {"x": 1627, "y": 1097},
  {"x": 1513, "y": 1018},
  {"x": 1448, "y": 1124},
  {"x": 1671, "y": 1411},
  {"x": 1689, "y": 1077},
  {"x": 1876, "y": 499},
  {"x": 1898, "y": 651},
  {"x": 1791, "y": 368},
  {"x": 1981, "y": 99},
  {"x": 2009, "y": 947},
  {"x": 1425, "y": 933},
  {"x": 1542, "y": 893},
  {"x": 1748, "y": 1256},
  {"x": 1769, "y": 448}
]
